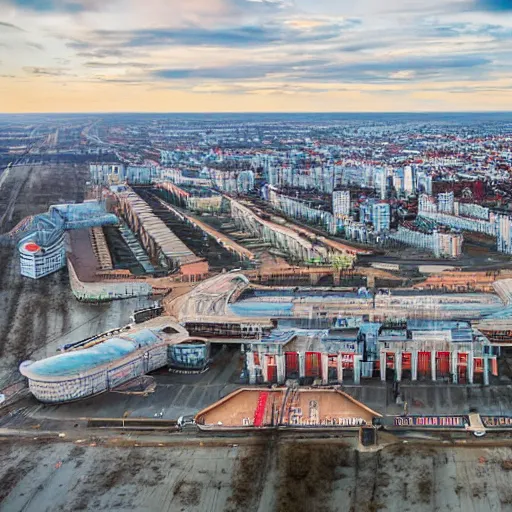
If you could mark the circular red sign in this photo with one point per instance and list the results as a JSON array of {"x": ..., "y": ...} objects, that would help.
[{"x": 32, "y": 247}]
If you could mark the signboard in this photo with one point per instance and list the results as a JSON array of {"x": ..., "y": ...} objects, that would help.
[
  {"x": 431, "y": 421},
  {"x": 347, "y": 361},
  {"x": 496, "y": 421},
  {"x": 347, "y": 346}
]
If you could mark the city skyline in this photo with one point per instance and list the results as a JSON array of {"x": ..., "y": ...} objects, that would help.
[{"x": 255, "y": 56}]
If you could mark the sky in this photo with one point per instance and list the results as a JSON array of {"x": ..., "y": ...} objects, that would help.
[{"x": 255, "y": 55}]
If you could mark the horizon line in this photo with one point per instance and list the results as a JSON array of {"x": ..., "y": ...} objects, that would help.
[{"x": 263, "y": 112}]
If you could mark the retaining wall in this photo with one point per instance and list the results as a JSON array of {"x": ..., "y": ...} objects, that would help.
[{"x": 100, "y": 291}]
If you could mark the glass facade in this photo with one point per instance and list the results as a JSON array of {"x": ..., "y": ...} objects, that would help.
[{"x": 189, "y": 356}]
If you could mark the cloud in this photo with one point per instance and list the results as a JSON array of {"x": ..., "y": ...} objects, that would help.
[
  {"x": 43, "y": 6},
  {"x": 493, "y": 5},
  {"x": 4, "y": 24},
  {"x": 396, "y": 69},
  {"x": 236, "y": 72},
  {"x": 78, "y": 45},
  {"x": 223, "y": 73},
  {"x": 262, "y": 90},
  {"x": 42, "y": 71},
  {"x": 37, "y": 46},
  {"x": 194, "y": 36},
  {"x": 361, "y": 46},
  {"x": 458, "y": 30},
  {"x": 119, "y": 64},
  {"x": 102, "y": 53},
  {"x": 324, "y": 70},
  {"x": 277, "y": 3},
  {"x": 118, "y": 80},
  {"x": 234, "y": 36},
  {"x": 260, "y": 48},
  {"x": 476, "y": 88}
]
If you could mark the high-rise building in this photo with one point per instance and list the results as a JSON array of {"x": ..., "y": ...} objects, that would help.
[
  {"x": 265, "y": 192},
  {"x": 166, "y": 157},
  {"x": 245, "y": 182},
  {"x": 426, "y": 203},
  {"x": 367, "y": 176},
  {"x": 380, "y": 181},
  {"x": 408, "y": 179},
  {"x": 423, "y": 183},
  {"x": 105, "y": 174},
  {"x": 174, "y": 175},
  {"x": 504, "y": 234},
  {"x": 366, "y": 211},
  {"x": 272, "y": 174},
  {"x": 445, "y": 202},
  {"x": 448, "y": 245},
  {"x": 474, "y": 210},
  {"x": 341, "y": 203},
  {"x": 398, "y": 181},
  {"x": 139, "y": 175},
  {"x": 381, "y": 217}
]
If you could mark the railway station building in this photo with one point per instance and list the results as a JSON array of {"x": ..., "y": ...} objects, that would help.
[{"x": 415, "y": 350}]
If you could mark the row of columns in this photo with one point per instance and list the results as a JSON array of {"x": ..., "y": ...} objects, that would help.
[
  {"x": 433, "y": 368},
  {"x": 281, "y": 367},
  {"x": 280, "y": 364}
]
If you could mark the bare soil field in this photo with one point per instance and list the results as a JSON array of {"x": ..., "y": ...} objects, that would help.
[
  {"x": 38, "y": 316},
  {"x": 28, "y": 190},
  {"x": 272, "y": 476}
]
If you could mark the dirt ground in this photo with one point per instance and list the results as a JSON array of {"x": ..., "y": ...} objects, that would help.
[
  {"x": 28, "y": 190},
  {"x": 273, "y": 476},
  {"x": 38, "y": 316}
]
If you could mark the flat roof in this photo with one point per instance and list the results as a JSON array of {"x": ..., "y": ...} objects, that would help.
[
  {"x": 82, "y": 255},
  {"x": 75, "y": 362}
]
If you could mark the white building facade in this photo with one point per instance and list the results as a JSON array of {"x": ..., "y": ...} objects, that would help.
[
  {"x": 341, "y": 203},
  {"x": 38, "y": 260}
]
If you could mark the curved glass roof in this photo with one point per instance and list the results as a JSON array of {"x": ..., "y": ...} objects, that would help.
[
  {"x": 144, "y": 337},
  {"x": 71, "y": 363}
]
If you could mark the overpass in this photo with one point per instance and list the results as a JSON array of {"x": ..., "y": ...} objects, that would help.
[
  {"x": 61, "y": 217},
  {"x": 209, "y": 299},
  {"x": 205, "y": 310}
]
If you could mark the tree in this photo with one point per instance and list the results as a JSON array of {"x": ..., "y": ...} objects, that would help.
[{"x": 341, "y": 262}]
